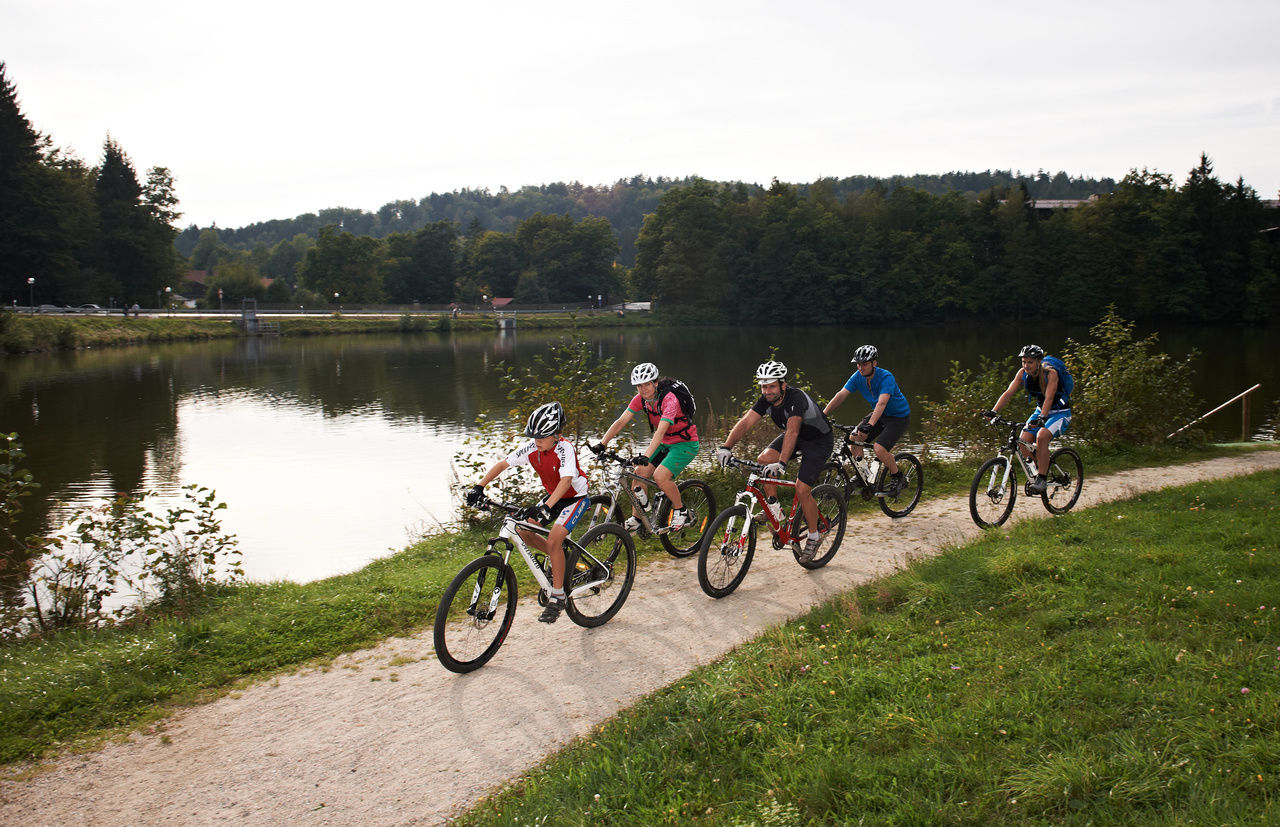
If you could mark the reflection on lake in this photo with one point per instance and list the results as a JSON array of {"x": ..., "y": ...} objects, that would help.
[{"x": 330, "y": 452}]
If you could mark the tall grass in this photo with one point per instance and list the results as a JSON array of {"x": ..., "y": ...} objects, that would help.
[{"x": 1117, "y": 665}]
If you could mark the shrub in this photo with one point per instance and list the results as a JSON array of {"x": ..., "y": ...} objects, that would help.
[{"x": 1127, "y": 392}]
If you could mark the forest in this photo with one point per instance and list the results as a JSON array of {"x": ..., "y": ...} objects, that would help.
[{"x": 907, "y": 248}]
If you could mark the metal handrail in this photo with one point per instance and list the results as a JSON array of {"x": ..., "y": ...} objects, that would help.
[{"x": 1244, "y": 417}]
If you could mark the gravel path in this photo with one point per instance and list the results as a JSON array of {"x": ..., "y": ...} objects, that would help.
[{"x": 386, "y": 736}]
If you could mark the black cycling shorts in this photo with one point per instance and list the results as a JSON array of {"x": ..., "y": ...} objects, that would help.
[
  {"x": 888, "y": 430},
  {"x": 813, "y": 454}
]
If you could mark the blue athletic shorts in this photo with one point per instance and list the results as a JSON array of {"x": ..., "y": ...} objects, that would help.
[{"x": 1057, "y": 422}]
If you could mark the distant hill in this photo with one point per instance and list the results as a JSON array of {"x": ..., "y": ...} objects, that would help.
[{"x": 624, "y": 203}]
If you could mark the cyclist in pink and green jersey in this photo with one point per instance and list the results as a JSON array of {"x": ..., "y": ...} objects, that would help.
[{"x": 667, "y": 404}]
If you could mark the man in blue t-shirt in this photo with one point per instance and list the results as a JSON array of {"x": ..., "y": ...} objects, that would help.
[
  {"x": 890, "y": 414},
  {"x": 1043, "y": 378}
]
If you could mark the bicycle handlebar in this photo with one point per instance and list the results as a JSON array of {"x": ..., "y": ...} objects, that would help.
[
  {"x": 849, "y": 431},
  {"x": 613, "y": 456},
  {"x": 999, "y": 420}
]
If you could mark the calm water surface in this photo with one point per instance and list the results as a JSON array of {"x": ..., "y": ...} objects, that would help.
[{"x": 331, "y": 452}]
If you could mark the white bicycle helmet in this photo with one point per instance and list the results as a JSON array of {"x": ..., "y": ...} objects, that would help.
[
  {"x": 866, "y": 353},
  {"x": 771, "y": 372},
  {"x": 644, "y": 372},
  {"x": 546, "y": 420}
]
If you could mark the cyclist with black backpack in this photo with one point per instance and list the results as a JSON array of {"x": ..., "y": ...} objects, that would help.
[
  {"x": 1048, "y": 383},
  {"x": 668, "y": 404}
]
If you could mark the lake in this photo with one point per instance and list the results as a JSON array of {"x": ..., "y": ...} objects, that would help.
[{"x": 333, "y": 451}]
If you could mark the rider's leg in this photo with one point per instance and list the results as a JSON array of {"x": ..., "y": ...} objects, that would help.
[
  {"x": 767, "y": 456},
  {"x": 667, "y": 483},
  {"x": 643, "y": 471},
  {"x": 1042, "y": 450},
  {"x": 808, "y": 505},
  {"x": 551, "y": 545},
  {"x": 886, "y": 458}
]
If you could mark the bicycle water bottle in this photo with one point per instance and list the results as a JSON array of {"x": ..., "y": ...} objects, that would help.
[{"x": 641, "y": 497}]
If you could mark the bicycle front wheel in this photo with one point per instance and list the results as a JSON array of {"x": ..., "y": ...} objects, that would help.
[
  {"x": 901, "y": 504},
  {"x": 726, "y": 551},
  {"x": 992, "y": 494},
  {"x": 606, "y": 559},
  {"x": 700, "y": 501},
  {"x": 832, "y": 514},
  {"x": 1065, "y": 479},
  {"x": 475, "y": 614}
]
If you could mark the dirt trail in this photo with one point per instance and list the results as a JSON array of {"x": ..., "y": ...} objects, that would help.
[{"x": 388, "y": 737}]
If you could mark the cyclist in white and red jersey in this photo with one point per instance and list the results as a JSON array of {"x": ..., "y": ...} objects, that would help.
[
  {"x": 672, "y": 447},
  {"x": 556, "y": 462}
]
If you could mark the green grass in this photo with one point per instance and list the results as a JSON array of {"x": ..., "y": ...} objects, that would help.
[
  {"x": 79, "y": 685},
  {"x": 1089, "y": 667},
  {"x": 1117, "y": 665}
]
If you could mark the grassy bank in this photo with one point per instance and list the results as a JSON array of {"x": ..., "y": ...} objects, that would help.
[
  {"x": 80, "y": 686},
  {"x": 1114, "y": 666},
  {"x": 27, "y": 334}
]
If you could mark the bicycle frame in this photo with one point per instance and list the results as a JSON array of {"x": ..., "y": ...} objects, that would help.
[
  {"x": 1012, "y": 448},
  {"x": 751, "y": 495},
  {"x": 870, "y": 469},
  {"x": 620, "y": 470},
  {"x": 510, "y": 540}
]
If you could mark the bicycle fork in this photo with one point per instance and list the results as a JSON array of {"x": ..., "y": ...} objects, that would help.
[{"x": 495, "y": 595}]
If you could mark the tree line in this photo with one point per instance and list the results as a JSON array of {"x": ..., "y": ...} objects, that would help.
[
  {"x": 83, "y": 234},
  {"x": 1201, "y": 252},
  {"x": 907, "y": 248}
]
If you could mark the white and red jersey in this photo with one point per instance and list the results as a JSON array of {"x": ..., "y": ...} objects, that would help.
[{"x": 552, "y": 466}]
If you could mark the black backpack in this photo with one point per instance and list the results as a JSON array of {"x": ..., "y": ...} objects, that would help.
[{"x": 687, "y": 406}]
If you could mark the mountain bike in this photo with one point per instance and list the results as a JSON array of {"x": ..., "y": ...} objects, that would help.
[
  {"x": 867, "y": 476},
  {"x": 479, "y": 604},
  {"x": 655, "y": 518},
  {"x": 730, "y": 544},
  {"x": 995, "y": 486}
]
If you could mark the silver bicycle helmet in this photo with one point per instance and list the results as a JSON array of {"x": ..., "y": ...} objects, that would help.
[
  {"x": 1034, "y": 351},
  {"x": 866, "y": 353},
  {"x": 547, "y": 420},
  {"x": 771, "y": 372},
  {"x": 644, "y": 372}
]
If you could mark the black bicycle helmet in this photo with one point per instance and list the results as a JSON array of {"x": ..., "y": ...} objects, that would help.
[
  {"x": 547, "y": 420},
  {"x": 1034, "y": 351}
]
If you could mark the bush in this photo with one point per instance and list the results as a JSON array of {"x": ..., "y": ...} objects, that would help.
[
  {"x": 108, "y": 562},
  {"x": 1126, "y": 391},
  {"x": 954, "y": 425}
]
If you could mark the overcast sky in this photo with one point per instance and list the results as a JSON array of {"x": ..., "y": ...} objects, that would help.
[{"x": 267, "y": 110}]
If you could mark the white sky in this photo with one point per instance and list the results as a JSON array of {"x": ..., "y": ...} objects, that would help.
[{"x": 269, "y": 109}]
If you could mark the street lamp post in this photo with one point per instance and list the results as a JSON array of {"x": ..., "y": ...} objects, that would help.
[
  {"x": 31, "y": 294},
  {"x": 168, "y": 300},
  {"x": 335, "y": 301}
]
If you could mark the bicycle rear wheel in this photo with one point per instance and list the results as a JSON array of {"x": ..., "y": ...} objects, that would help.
[
  {"x": 726, "y": 551},
  {"x": 992, "y": 494},
  {"x": 475, "y": 614},
  {"x": 1065, "y": 479},
  {"x": 606, "y": 557},
  {"x": 832, "y": 514},
  {"x": 906, "y": 500},
  {"x": 700, "y": 501}
]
